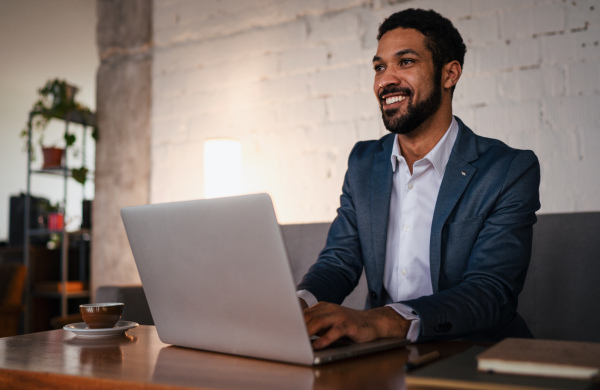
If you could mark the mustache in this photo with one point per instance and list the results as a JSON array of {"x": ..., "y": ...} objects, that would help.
[{"x": 388, "y": 90}]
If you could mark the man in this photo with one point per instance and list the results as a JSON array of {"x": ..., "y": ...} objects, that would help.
[{"x": 439, "y": 218}]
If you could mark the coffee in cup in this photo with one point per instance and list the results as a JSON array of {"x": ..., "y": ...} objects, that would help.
[{"x": 101, "y": 315}]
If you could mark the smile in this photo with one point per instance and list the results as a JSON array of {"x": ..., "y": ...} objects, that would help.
[{"x": 394, "y": 99}]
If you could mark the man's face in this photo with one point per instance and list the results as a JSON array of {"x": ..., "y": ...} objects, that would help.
[{"x": 406, "y": 85}]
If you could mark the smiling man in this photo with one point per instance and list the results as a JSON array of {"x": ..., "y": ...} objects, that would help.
[{"x": 440, "y": 219}]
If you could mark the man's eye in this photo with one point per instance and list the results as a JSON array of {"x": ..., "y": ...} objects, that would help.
[
  {"x": 378, "y": 68},
  {"x": 406, "y": 61}
]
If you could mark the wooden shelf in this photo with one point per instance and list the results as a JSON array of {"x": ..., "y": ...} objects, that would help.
[
  {"x": 58, "y": 295},
  {"x": 56, "y": 287}
]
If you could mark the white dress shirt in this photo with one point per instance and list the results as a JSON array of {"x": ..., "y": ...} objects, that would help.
[{"x": 412, "y": 202}]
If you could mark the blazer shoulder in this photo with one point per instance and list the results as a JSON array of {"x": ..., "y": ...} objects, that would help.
[
  {"x": 498, "y": 150},
  {"x": 471, "y": 146}
]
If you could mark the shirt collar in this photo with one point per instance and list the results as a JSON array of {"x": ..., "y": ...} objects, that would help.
[{"x": 438, "y": 156}]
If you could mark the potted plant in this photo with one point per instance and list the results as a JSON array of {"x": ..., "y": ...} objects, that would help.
[{"x": 57, "y": 100}]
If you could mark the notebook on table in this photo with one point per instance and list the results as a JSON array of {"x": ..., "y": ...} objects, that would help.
[
  {"x": 460, "y": 372},
  {"x": 217, "y": 277},
  {"x": 551, "y": 358}
]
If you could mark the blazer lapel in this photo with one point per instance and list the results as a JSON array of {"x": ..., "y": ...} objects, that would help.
[
  {"x": 381, "y": 191},
  {"x": 457, "y": 176}
]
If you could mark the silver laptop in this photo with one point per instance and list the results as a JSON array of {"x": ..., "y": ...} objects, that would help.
[{"x": 217, "y": 278}]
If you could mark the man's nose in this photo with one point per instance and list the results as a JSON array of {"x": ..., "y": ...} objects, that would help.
[{"x": 388, "y": 80}]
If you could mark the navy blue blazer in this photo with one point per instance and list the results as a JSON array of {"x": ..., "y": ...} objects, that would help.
[{"x": 480, "y": 243}]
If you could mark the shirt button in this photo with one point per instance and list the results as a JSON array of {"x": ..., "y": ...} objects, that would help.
[
  {"x": 410, "y": 186},
  {"x": 404, "y": 272},
  {"x": 406, "y": 228}
]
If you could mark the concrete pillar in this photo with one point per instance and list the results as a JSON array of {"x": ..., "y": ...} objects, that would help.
[{"x": 124, "y": 34}]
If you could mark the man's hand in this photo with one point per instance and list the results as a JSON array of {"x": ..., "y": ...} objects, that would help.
[{"x": 332, "y": 321}]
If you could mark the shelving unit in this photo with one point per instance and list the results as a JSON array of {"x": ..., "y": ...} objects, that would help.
[{"x": 61, "y": 290}]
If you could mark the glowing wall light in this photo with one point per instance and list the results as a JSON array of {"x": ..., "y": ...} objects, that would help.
[{"x": 222, "y": 167}]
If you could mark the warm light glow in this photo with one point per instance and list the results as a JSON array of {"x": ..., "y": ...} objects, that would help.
[{"x": 222, "y": 167}]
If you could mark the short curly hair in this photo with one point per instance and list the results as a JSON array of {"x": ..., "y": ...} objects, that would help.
[{"x": 441, "y": 37}]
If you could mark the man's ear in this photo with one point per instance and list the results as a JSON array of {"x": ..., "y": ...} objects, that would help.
[{"x": 450, "y": 74}]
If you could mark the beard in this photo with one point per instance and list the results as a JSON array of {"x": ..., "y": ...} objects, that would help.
[{"x": 416, "y": 114}]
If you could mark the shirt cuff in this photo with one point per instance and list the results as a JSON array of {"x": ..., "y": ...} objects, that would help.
[
  {"x": 307, "y": 296},
  {"x": 408, "y": 313}
]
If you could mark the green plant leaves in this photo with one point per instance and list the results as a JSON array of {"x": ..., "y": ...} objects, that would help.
[
  {"x": 79, "y": 174},
  {"x": 70, "y": 139}
]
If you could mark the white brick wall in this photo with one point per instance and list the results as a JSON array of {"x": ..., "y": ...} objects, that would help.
[{"x": 292, "y": 80}]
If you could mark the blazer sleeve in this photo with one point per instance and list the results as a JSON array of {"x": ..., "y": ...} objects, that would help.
[
  {"x": 483, "y": 300},
  {"x": 339, "y": 266}
]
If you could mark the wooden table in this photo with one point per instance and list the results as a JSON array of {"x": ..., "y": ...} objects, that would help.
[{"x": 58, "y": 359}]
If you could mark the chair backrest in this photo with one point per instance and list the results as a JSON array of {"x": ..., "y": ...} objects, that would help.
[
  {"x": 12, "y": 282},
  {"x": 561, "y": 297}
]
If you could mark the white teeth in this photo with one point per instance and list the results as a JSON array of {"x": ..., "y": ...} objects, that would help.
[{"x": 394, "y": 99}]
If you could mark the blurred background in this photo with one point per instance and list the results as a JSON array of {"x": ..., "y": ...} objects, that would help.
[{"x": 215, "y": 97}]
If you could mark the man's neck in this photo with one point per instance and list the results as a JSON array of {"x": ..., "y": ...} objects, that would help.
[{"x": 415, "y": 145}]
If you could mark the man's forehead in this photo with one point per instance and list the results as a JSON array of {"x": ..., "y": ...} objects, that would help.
[
  {"x": 403, "y": 32},
  {"x": 401, "y": 41}
]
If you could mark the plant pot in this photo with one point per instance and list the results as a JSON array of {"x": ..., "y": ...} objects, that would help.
[{"x": 52, "y": 157}]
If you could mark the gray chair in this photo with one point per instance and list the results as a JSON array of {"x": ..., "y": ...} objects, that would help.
[
  {"x": 561, "y": 297},
  {"x": 303, "y": 243}
]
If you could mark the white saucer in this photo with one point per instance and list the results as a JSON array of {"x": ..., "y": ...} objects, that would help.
[{"x": 82, "y": 330}]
